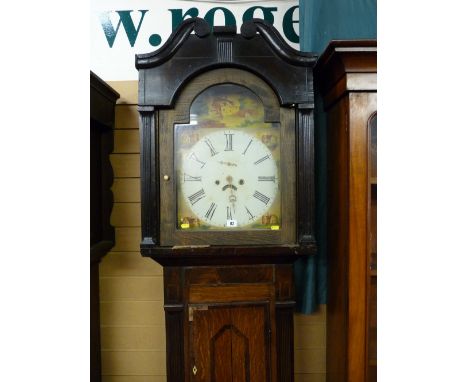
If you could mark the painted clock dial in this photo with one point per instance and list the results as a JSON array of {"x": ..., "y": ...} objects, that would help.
[
  {"x": 229, "y": 179},
  {"x": 227, "y": 163}
]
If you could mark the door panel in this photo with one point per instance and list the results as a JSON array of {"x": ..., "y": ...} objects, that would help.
[
  {"x": 210, "y": 345},
  {"x": 228, "y": 344},
  {"x": 249, "y": 347},
  {"x": 221, "y": 355}
]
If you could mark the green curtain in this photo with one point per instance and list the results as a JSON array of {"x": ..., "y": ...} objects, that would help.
[
  {"x": 320, "y": 22},
  {"x": 323, "y": 20}
]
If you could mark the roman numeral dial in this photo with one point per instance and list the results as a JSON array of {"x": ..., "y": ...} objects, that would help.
[
  {"x": 190, "y": 178},
  {"x": 229, "y": 179},
  {"x": 209, "y": 214},
  {"x": 228, "y": 141},
  {"x": 258, "y": 161},
  {"x": 213, "y": 151},
  {"x": 262, "y": 198},
  {"x": 196, "y": 197}
]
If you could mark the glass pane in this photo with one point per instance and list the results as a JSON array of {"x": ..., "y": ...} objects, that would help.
[
  {"x": 372, "y": 262},
  {"x": 227, "y": 163},
  {"x": 373, "y": 145}
]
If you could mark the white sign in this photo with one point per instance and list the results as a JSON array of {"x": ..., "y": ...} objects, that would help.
[
  {"x": 231, "y": 223},
  {"x": 122, "y": 28}
]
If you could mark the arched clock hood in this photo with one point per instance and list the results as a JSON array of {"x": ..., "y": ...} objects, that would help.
[{"x": 259, "y": 48}]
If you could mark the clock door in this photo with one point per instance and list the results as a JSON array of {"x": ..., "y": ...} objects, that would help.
[
  {"x": 227, "y": 164},
  {"x": 228, "y": 344}
]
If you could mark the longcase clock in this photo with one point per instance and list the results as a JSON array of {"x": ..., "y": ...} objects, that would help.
[{"x": 227, "y": 172}]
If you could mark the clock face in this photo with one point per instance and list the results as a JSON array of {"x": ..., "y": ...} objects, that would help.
[
  {"x": 227, "y": 161},
  {"x": 229, "y": 179}
]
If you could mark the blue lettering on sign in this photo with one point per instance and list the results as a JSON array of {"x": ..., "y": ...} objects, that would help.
[
  {"x": 267, "y": 14},
  {"x": 126, "y": 20},
  {"x": 178, "y": 15}
]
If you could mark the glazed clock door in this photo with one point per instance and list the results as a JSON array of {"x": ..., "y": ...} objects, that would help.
[
  {"x": 229, "y": 344},
  {"x": 227, "y": 164}
]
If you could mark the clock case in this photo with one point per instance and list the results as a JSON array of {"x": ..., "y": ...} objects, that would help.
[
  {"x": 241, "y": 293},
  {"x": 284, "y": 73}
]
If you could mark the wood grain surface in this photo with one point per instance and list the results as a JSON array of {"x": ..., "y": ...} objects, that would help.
[{"x": 347, "y": 78}]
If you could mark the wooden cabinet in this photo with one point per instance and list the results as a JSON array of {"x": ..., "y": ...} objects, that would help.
[
  {"x": 230, "y": 340},
  {"x": 221, "y": 341},
  {"x": 347, "y": 76},
  {"x": 228, "y": 323},
  {"x": 102, "y": 236}
]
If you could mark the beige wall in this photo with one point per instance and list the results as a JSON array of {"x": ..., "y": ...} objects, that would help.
[{"x": 132, "y": 315}]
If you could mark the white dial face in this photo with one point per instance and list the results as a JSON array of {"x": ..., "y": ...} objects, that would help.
[{"x": 229, "y": 179}]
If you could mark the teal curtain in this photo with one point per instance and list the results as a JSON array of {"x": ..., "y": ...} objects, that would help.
[
  {"x": 320, "y": 22},
  {"x": 323, "y": 20}
]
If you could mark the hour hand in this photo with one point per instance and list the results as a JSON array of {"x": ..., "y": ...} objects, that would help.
[{"x": 231, "y": 186}]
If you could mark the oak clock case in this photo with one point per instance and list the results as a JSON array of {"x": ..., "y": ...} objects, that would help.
[{"x": 227, "y": 195}]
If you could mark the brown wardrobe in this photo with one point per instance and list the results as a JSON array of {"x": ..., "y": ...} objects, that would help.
[{"x": 347, "y": 78}]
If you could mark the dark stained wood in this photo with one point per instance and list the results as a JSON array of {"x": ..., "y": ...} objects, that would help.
[
  {"x": 266, "y": 54},
  {"x": 223, "y": 343},
  {"x": 347, "y": 78},
  {"x": 228, "y": 275},
  {"x": 175, "y": 342},
  {"x": 225, "y": 291},
  {"x": 95, "y": 333},
  {"x": 102, "y": 101},
  {"x": 337, "y": 249},
  {"x": 284, "y": 282},
  {"x": 224, "y": 255},
  {"x": 305, "y": 161},
  {"x": 102, "y": 106},
  {"x": 173, "y": 287},
  {"x": 102, "y": 236},
  {"x": 372, "y": 252},
  {"x": 372, "y": 321},
  {"x": 285, "y": 341},
  {"x": 149, "y": 169}
]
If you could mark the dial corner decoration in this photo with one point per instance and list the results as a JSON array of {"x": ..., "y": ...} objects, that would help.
[{"x": 227, "y": 160}]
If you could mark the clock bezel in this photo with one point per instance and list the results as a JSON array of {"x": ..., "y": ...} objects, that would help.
[{"x": 170, "y": 235}]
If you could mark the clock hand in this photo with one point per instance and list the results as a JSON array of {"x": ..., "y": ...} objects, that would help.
[
  {"x": 231, "y": 186},
  {"x": 232, "y": 197}
]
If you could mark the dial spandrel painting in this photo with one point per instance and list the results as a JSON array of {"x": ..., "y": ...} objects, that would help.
[{"x": 227, "y": 163}]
